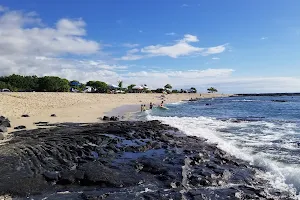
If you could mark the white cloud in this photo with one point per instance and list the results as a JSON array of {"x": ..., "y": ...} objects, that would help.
[
  {"x": 28, "y": 47},
  {"x": 180, "y": 48},
  {"x": 130, "y": 45},
  {"x": 65, "y": 38},
  {"x": 184, "y": 5},
  {"x": 189, "y": 38},
  {"x": 216, "y": 58},
  {"x": 171, "y": 34},
  {"x": 140, "y": 31},
  {"x": 264, "y": 38},
  {"x": 214, "y": 50}
]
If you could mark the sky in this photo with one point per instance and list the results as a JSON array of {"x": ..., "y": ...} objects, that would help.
[{"x": 236, "y": 46}]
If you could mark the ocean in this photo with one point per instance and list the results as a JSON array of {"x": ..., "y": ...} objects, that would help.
[{"x": 265, "y": 131}]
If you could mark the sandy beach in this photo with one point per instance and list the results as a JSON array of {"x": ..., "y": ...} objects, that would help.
[{"x": 74, "y": 107}]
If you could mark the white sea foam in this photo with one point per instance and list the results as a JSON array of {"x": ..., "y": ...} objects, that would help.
[
  {"x": 251, "y": 141},
  {"x": 177, "y": 103}
]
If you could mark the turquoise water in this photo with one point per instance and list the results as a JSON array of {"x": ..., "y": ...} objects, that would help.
[{"x": 256, "y": 129}]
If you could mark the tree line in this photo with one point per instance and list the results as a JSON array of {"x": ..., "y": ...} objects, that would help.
[{"x": 18, "y": 83}]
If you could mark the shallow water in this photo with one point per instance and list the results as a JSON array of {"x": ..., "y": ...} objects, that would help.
[{"x": 256, "y": 129}]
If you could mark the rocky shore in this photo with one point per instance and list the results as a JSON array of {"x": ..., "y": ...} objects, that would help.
[{"x": 123, "y": 160}]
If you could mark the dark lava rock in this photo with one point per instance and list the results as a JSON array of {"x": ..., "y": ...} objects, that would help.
[
  {"x": 25, "y": 115},
  {"x": 114, "y": 118},
  {"x": 124, "y": 160},
  {"x": 51, "y": 176},
  {"x": 105, "y": 118},
  {"x": 53, "y": 115},
  {"x": 41, "y": 123},
  {"x": 3, "y": 129},
  {"x": 4, "y": 122},
  {"x": 20, "y": 127},
  {"x": 279, "y": 101}
]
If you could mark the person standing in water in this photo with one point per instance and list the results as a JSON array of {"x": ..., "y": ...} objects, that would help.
[
  {"x": 162, "y": 104},
  {"x": 144, "y": 108},
  {"x": 151, "y": 105}
]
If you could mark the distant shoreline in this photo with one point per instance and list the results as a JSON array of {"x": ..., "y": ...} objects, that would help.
[
  {"x": 77, "y": 107},
  {"x": 266, "y": 94}
]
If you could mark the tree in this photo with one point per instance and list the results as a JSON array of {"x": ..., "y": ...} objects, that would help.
[
  {"x": 90, "y": 83},
  {"x": 53, "y": 84},
  {"x": 159, "y": 90},
  {"x": 212, "y": 90},
  {"x": 193, "y": 90},
  {"x": 130, "y": 87},
  {"x": 168, "y": 86},
  {"x": 99, "y": 86},
  {"x": 3, "y": 85},
  {"x": 120, "y": 85}
]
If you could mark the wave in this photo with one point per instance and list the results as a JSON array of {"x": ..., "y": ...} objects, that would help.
[
  {"x": 238, "y": 139},
  {"x": 246, "y": 100}
]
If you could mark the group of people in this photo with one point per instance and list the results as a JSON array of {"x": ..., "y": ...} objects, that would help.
[{"x": 144, "y": 108}]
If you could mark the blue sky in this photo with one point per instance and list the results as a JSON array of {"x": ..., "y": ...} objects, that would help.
[{"x": 237, "y": 46}]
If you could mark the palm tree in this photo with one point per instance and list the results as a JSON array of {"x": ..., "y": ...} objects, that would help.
[
  {"x": 129, "y": 88},
  {"x": 120, "y": 85}
]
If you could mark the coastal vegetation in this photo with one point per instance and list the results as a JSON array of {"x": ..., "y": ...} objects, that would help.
[
  {"x": 19, "y": 83},
  {"x": 212, "y": 90}
]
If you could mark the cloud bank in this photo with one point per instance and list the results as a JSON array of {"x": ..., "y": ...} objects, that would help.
[
  {"x": 182, "y": 47},
  {"x": 30, "y": 47}
]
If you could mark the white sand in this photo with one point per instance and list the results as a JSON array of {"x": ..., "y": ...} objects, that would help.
[{"x": 74, "y": 107}]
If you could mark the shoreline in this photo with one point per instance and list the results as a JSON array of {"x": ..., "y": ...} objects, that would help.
[{"x": 76, "y": 107}]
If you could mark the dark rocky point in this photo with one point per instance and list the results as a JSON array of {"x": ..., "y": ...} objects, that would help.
[
  {"x": 25, "y": 115},
  {"x": 124, "y": 160}
]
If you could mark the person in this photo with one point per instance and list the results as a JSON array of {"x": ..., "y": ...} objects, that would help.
[
  {"x": 151, "y": 105},
  {"x": 162, "y": 104},
  {"x": 144, "y": 107}
]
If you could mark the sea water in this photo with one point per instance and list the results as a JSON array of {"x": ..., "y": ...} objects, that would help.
[{"x": 260, "y": 130}]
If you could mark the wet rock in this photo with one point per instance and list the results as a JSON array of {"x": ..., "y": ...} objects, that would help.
[
  {"x": 51, "y": 175},
  {"x": 105, "y": 118},
  {"x": 66, "y": 177},
  {"x": 281, "y": 101},
  {"x": 114, "y": 118},
  {"x": 41, "y": 123},
  {"x": 4, "y": 122},
  {"x": 20, "y": 127}
]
